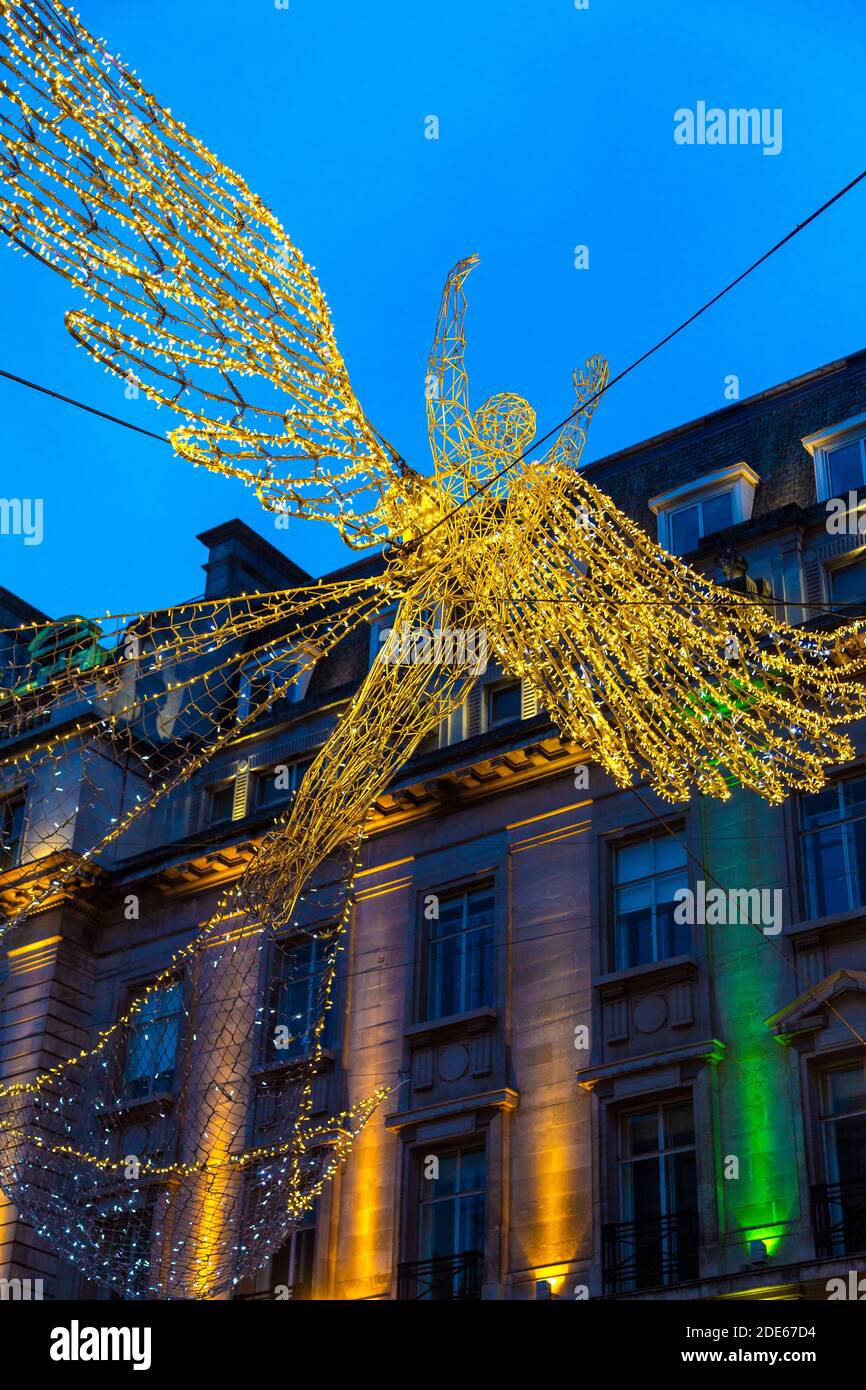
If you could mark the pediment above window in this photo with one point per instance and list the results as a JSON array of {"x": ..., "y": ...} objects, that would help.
[
  {"x": 704, "y": 506},
  {"x": 818, "y": 1010}
]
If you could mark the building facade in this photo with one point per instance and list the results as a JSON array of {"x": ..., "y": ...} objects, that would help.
[{"x": 591, "y": 1094}]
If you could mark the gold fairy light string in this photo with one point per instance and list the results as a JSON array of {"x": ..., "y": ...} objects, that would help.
[{"x": 197, "y": 296}]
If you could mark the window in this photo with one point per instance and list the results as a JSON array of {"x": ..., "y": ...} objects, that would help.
[
  {"x": 254, "y": 688},
  {"x": 292, "y": 1265},
  {"x": 646, "y": 876},
  {"x": 655, "y": 1241},
  {"x": 503, "y": 703},
  {"x": 848, "y": 582},
  {"x": 295, "y": 1000},
  {"x": 833, "y": 838},
  {"x": 840, "y": 458},
  {"x": 459, "y": 964},
  {"x": 11, "y": 830},
  {"x": 289, "y": 1272},
  {"x": 451, "y": 1215},
  {"x": 152, "y": 1043},
  {"x": 846, "y": 467},
  {"x": 844, "y": 1124},
  {"x": 279, "y": 672},
  {"x": 220, "y": 803},
  {"x": 689, "y": 524},
  {"x": 278, "y": 784},
  {"x": 704, "y": 506},
  {"x": 839, "y": 1206},
  {"x": 125, "y": 1235}
]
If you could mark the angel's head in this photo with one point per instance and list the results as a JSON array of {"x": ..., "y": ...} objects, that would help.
[{"x": 504, "y": 424}]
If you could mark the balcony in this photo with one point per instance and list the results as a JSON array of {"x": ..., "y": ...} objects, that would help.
[
  {"x": 448, "y": 1278},
  {"x": 839, "y": 1217},
  {"x": 650, "y": 1254}
]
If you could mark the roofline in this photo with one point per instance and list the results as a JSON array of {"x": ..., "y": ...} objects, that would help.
[
  {"x": 25, "y": 610},
  {"x": 724, "y": 413}
]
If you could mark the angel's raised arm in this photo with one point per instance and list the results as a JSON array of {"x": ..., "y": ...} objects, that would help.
[
  {"x": 449, "y": 420},
  {"x": 568, "y": 445},
  {"x": 198, "y": 295}
]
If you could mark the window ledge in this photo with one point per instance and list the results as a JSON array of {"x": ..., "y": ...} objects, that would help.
[
  {"x": 278, "y": 1067},
  {"x": 136, "y": 1108},
  {"x": 854, "y": 916},
  {"x": 620, "y": 981},
  {"x": 473, "y": 1021}
]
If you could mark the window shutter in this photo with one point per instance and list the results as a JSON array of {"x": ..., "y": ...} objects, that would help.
[
  {"x": 239, "y": 803},
  {"x": 473, "y": 710},
  {"x": 528, "y": 700}
]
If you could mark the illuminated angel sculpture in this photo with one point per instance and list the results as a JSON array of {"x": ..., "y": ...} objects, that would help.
[{"x": 193, "y": 290}]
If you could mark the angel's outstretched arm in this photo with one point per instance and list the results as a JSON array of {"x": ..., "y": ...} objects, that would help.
[
  {"x": 197, "y": 294},
  {"x": 449, "y": 420}
]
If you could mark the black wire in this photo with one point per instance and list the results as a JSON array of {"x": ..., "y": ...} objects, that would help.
[{"x": 91, "y": 409}]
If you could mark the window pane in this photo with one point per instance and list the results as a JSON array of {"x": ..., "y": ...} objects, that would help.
[
  {"x": 669, "y": 853},
  {"x": 295, "y": 1001},
  {"x": 718, "y": 512},
  {"x": 846, "y": 1090},
  {"x": 221, "y": 802},
  {"x": 438, "y": 1230},
  {"x": 681, "y": 1182},
  {"x": 634, "y": 861},
  {"x": 679, "y": 1126},
  {"x": 460, "y": 955},
  {"x": 685, "y": 529},
  {"x": 504, "y": 703},
  {"x": 152, "y": 1040},
  {"x": 11, "y": 830},
  {"x": 644, "y": 926},
  {"x": 849, "y": 583},
  {"x": 633, "y": 927},
  {"x": 821, "y": 808},
  {"x": 826, "y": 877},
  {"x": 856, "y": 862},
  {"x": 473, "y": 1170},
  {"x": 846, "y": 468},
  {"x": 642, "y": 1134},
  {"x": 470, "y": 1235},
  {"x": 643, "y": 1197},
  {"x": 674, "y": 938}
]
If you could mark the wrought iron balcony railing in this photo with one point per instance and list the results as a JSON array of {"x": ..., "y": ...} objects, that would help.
[
  {"x": 449, "y": 1277},
  {"x": 839, "y": 1217},
  {"x": 650, "y": 1254}
]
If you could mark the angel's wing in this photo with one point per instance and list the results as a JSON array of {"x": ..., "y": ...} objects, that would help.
[
  {"x": 653, "y": 669},
  {"x": 105, "y": 723},
  {"x": 201, "y": 298}
]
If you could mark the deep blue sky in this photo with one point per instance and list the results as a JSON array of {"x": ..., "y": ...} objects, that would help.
[{"x": 556, "y": 128}]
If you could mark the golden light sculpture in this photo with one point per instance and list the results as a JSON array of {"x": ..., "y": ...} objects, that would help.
[{"x": 195, "y": 293}]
